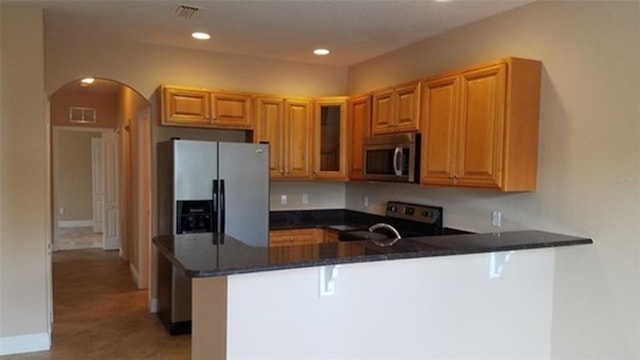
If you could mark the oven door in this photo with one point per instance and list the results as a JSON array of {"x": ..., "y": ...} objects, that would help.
[{"x": 390, "y": 162}]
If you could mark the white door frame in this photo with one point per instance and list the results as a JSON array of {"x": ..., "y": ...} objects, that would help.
[
  {"x": 97, "y": 184},
  {"x": 55, "y": 132}
]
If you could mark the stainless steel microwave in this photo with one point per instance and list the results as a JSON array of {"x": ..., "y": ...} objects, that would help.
[{"x": 392, "y": 157}]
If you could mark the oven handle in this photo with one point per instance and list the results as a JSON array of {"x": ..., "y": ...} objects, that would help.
[{"x": 397, "y": 157}]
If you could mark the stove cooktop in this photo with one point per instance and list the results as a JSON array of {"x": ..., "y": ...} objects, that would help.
[{"x": 411, "y": 220}]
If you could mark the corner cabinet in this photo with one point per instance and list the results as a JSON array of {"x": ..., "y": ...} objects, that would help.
[
  {"x": 480, "y": 126},
  {"x": 359, "y": 122},
  {"x": 206, "y": 109},
  {"x": 285, "y": 123},
  {"x": 396, "y": 109},
  {"x": 330, "y": 138}
]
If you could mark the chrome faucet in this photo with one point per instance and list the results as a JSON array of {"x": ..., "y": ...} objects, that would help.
[{"x": 388, "y": 227}]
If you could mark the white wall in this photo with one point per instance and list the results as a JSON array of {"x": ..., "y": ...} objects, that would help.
[
  {"x": 145, "y": 67},
  {"x": 75, "y": 183},
  {"x": 589, "y": 158},
  {"x": 320, "y": 195},
  {"x": 24, "y": 181}
]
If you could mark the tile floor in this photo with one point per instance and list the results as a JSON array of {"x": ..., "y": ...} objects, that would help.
[
  {"x": 99, "y": 314},
  {"x": 78, "y": 238}
]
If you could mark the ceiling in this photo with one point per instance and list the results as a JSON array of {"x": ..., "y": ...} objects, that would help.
[{"x": 354, "y": 30}]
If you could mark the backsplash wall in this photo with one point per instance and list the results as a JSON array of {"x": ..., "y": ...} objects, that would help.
[
  {"x": 464, "y": 209},
  {"x": 321, "y": 195}
]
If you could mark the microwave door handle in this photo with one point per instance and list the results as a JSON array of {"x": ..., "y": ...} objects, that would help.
[{"x": 397, "y": 157}]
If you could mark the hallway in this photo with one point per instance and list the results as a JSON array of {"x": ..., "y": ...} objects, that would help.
[{"x": 99, "y": 314}]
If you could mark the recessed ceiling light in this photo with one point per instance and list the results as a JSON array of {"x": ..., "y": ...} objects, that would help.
[
  {"x": 88, "y": 80},
  {"x": 321, "y": 52},
  {"x": 201, "y": 35}
]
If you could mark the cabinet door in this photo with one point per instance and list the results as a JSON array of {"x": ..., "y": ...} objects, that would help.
[
  {"x": 185, "y": 107},
  {"x": 382, "y": 112},
  {"x": 297, "y": 138},
  {"x": 479, "y": 158},
  {"x": 330, "y": 139},
  {"x": 359, "y": 116},
  {"x": 270, "y": 128},
  {"x": 231, "y": 110},
  {"x": 440, "y": 98},
  {"x": 295, "y": 237},
  {"x": 330, "y": 236},
  {"x": 407, "y": 108}
]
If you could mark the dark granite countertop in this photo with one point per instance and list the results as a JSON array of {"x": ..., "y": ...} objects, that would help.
[
  {"x": 207, "y": 255},
  {"x": 338, "y": 219}
]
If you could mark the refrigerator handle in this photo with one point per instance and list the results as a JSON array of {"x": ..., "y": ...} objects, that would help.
[
  {"x": 214, "y": 217},
  {"x": 222, "y": 206}
]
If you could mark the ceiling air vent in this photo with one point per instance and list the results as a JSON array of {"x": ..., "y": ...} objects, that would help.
[
  {"x": 186, "y": 11},
  {"x": 82, "y": 114}
]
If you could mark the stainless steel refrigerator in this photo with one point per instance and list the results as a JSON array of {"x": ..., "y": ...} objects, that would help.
[{"x": 207, "y": 186}]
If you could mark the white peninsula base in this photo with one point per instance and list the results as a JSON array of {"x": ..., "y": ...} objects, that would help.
[{"x": 489, "y": 305}]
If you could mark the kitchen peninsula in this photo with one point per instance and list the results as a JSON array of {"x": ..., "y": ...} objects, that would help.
[{"x": 471, "y": 295}]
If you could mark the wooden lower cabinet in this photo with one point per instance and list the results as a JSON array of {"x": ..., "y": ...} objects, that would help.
[
  {"x": 330, "y": 236},
  {"x": 296, "y": 237},
  {"x": 289, "y": 245}
]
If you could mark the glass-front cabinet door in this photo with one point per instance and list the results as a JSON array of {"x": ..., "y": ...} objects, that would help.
[{"x": 330, "y": 139}]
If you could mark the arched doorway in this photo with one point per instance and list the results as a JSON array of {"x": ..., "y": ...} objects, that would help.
[{"x": 108, "y": 122}]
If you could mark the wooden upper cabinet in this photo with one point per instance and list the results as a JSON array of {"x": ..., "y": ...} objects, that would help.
[
  {"x": 382, "y": 119},
  {"x": 480, "y": 126},
  {"x": 359, "y": 120},
  {"x": 231, "y": 110},
  {"x": 285, "y": 123},
  {"x": 269, "y": 115},
  {"x": 184, "y": 107},
  {"x": 330, "y": 138},
  {"x": 207, "y": 109},
  {"x": 396, "y": 109},
  {"x": 439, "y": 120},
  {"x": 298, "y": 116}
]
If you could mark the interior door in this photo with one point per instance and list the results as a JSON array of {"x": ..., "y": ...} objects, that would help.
[{"x": 111, "y": 237}]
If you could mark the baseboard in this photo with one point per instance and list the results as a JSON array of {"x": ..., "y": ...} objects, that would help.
[
  {"x": 153, "y": 305},
  {"x": 75, "y": 223},
  {"x": 24, "y": 343}
]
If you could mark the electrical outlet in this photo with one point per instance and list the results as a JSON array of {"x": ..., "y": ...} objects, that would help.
[
  {"x": 365, "y": 201},
  {"x": 61, "y": 211},
  {"x": 496, "y": 218},
  {"x": 283, "y": 199},
  {"x": 305, "y": 198}
]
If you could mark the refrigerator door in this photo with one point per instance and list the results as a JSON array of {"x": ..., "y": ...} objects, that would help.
[
  {"x": 244, "y": 168},
  {"x": 195, "y": 169}
]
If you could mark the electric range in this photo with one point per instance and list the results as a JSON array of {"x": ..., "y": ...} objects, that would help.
[{"x": 410, "y": 220}]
